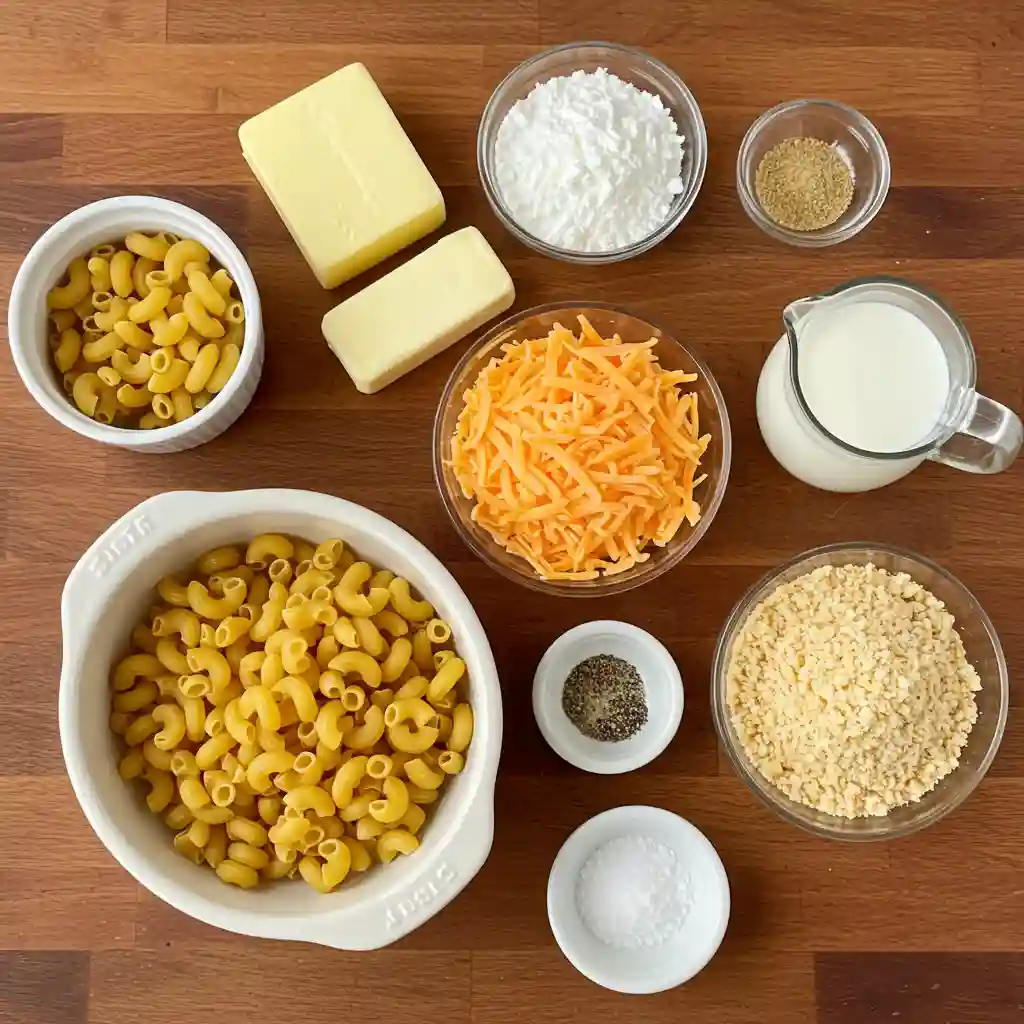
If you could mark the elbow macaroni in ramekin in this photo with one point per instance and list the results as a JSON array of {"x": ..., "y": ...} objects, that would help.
[
  {"x": 117, "y": 340},
  {"x": 147, "y": 331}
]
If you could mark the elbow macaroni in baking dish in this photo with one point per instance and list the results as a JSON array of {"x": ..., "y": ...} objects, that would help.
[{"x": 290, "y": 710}]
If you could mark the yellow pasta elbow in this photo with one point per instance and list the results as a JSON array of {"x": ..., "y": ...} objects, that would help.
[
  {"x": 166, "y": 382},
  {"x": 301, "y": 695},
  {"x": 420, "y": 774},
  {"x": 406, "y": 605},
  {"x": 198, "y": 318},
  {"x": 359, "y": 663},
  {"x": 171, "y": 718},
  {"x": 185, "y": 251},
  {"x": 147, "y": 308},
  {"x": 402, "y": 738},
  {"x": 366, "y": 735},
  {"x": 86, "y": 392},
  {"x": 394, "y": 842},
  {"x": 394, "y": 803},
  {"x": 203, "y": 288},
  {"x": 230, "y": 355},
  {"x": 78, "y": 287},
  {"x": 446, "y": 678},
  {"x": 311, "y": 798},
  {"x": 213, "y": 608}
]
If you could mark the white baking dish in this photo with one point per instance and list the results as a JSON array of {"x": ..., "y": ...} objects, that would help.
[
  {"x": 74, "y": 235},
  {"x": 109, "y": 590}
]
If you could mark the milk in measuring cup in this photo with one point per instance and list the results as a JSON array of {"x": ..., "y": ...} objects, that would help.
[{"x": 874, "y": 375}]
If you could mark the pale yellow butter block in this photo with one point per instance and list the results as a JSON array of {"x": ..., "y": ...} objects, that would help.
[
  {"x": 342, "y": 173},
  {"x": 418, "y": 310}
]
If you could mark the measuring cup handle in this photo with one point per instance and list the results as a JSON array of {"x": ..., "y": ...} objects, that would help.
[{"x": 987, "y": 441}]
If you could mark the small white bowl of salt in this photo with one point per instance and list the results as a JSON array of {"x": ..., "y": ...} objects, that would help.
[{"x": 638, "y": 900}]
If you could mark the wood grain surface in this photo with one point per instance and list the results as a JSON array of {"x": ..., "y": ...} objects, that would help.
[{"x": 116, "y": 96}]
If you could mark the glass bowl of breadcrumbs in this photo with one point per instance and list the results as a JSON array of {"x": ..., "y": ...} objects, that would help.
[
  {"x": 864, "y": 679},
  {"x": 812, "y": 173}
]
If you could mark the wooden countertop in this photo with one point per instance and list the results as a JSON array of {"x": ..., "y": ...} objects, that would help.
[{"x": 118, "y": 96}]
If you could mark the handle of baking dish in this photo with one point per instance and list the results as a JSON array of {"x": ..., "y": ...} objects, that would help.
[
  {"x": 115, "y": 554},
  {"x": 445, "y": 874}
]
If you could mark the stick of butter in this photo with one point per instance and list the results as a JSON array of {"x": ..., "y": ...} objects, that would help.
[
  {"x": 342, "y": 174},
  {"x": 418, "y": 310}
]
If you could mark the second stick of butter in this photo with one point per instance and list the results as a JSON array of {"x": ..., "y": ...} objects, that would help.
[{"x": 418, "y": 310}]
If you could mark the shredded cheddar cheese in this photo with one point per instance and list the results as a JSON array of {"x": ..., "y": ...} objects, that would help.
[{"x": 579, "y": 452}]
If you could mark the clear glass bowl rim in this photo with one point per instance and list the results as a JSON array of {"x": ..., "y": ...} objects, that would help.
[
  {"x": 604, "y": 586},
  {"x": 748, "y": 773},
  {"x": 698, "y": 146}
]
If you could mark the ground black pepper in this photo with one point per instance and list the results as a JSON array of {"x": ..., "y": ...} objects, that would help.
[{"x": 604, "y": 698}]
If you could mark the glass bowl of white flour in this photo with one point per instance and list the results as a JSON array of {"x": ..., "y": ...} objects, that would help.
[{"x": 591, "y": 152}]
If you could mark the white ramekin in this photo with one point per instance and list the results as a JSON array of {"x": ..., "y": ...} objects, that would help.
[
  {"x": 74, "y": 235},
  {"x": 647, "y": 969},
  {"x": 110, "y": 589},
  {"x": 663, "y": 691}
]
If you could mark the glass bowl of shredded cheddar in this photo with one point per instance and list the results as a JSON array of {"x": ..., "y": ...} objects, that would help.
[{"x": 581, "y": 450}]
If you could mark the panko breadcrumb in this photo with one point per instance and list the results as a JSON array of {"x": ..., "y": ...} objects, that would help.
[{"x": 850, "y": 690}]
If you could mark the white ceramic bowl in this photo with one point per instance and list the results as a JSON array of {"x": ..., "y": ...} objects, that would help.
[
  {"x": 663, "y": 688},
  {"x": 74, "y": 235},
  {"x": 107, "y": 593},
  {"x": 649, "y": 968}
]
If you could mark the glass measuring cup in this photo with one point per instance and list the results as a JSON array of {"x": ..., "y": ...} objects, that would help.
[{"x": 973, "y": 433}]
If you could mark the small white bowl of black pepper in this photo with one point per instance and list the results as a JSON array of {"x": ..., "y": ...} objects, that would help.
[{"x": 608, "y": 697}]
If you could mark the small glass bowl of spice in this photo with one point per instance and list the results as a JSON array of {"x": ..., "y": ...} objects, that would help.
[
  {"x": 812, "y": 172},
  {"x": 608, "y": 697}
]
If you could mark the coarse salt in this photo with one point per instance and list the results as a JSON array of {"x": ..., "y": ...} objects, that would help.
[
  {"x": 633, "y": 892},
  {"x": 588, "y": 162}
]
